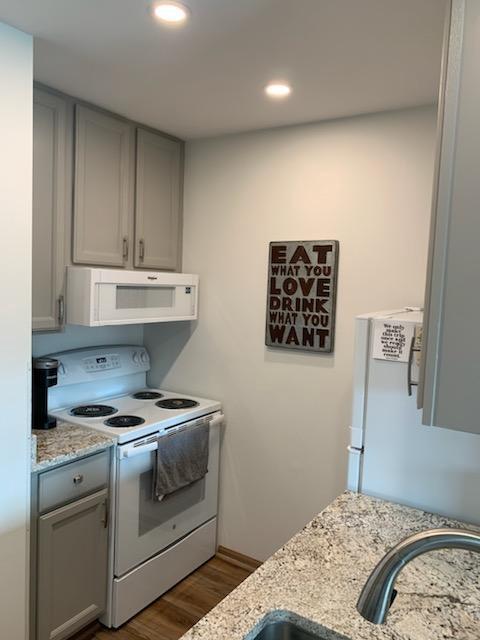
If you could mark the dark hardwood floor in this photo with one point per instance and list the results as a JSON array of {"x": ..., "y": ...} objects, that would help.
[{"x": 179, "y": 609}]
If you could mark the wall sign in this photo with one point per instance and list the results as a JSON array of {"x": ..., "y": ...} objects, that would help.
[
  {"x": 391, "y": 340},
  {"x": 302, "y": 285}
]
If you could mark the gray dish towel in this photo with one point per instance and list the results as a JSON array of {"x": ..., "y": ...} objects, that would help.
[{"x": 182, "y": 458}]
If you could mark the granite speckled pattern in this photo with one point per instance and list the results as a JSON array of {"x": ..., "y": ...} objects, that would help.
[
  {"x": 315, "y": 580},
  {"x": 65, "y": 443}
]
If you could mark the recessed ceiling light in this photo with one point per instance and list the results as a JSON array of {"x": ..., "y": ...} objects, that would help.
[
  {"x": 173, "y": 13},
  {"x": 278, "y": 90}
]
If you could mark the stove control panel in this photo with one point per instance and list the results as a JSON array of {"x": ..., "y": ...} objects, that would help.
[
  {"x": 102, "y": 363},
  {"x": 140, "y": 357},
  {"x": 98, "y": 363}
]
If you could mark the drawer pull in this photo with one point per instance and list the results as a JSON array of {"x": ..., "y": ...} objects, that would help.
[{"x": 78, "y": 479}]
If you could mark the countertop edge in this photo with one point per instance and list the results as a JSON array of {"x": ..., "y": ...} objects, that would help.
[{"x": 66, "y": 458}]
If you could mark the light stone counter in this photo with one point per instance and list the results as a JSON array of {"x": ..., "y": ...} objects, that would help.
[
  {"x": 315, "y": 580},
  {"x": 65, "y": 443}
]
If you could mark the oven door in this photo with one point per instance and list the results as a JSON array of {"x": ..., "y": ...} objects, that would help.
[
  {"x": 145, "y": 526},
  {"x": 132, "y": 302}
]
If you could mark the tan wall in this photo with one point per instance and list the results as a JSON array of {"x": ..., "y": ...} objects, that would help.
[{"x": 364, "y": 181}]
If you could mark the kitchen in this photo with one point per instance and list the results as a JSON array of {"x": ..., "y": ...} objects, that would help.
[{"x": 358, "y": 170}]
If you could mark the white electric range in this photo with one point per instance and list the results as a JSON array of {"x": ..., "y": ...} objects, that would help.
[{"x": 155, "y": 544}]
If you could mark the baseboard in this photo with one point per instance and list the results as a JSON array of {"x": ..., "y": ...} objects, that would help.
[{"x": 238, "y": 559}]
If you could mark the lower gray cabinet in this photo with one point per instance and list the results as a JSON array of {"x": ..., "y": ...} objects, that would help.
[{"x": 72, "y": 552}]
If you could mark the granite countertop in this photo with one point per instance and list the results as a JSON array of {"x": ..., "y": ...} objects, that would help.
[
  {"x": 315, "y": 580},
  {"x": 65, "y": 443}
]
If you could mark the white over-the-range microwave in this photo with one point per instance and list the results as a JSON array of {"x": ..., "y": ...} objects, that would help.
[{"x": 99, "y": 297}]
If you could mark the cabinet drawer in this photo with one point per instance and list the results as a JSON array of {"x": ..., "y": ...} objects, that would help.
[{"x": 73, "y": 480}]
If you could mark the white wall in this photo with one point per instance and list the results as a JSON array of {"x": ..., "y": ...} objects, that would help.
[
  {"x": 16, "y": 77},
  {"x": 365, "y": 181}
]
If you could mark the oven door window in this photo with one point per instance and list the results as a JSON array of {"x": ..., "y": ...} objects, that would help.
[{"x": 144, "y": 526}]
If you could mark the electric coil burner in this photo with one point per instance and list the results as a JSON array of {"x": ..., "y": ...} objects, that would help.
[
  {"x": 124, "y": 421},
  {"x": 93, "y": 411},
  {"x": 147, "y": 395},
  {"x": 177, "y": 403}
]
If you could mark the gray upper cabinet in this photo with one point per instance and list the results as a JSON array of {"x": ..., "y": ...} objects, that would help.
[
  {"x": 157, "y": 201},
  {"x": 51, "y": 204},
  {"x": 125, "y": 198},
  {"x": 450, "y": 376},
  {"x": 72, "y": 567},
  {"x": 103, "y": 189}
]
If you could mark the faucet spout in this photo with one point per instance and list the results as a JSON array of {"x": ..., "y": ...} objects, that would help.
[{"x": 378, "y": 592}]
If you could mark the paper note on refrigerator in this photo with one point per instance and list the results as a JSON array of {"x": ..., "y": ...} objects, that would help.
[{"x": 391, "y": 340}]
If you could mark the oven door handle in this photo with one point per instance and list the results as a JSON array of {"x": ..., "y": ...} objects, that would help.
[
  {"x": 137, "y": 451},
  {"x": 131, "y": 452},
  {"x": 218, "y": 418}
]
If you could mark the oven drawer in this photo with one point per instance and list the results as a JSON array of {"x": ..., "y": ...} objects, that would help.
[
  {"x": 73, "y": 480},
  {"x": 159, "y": 574}
]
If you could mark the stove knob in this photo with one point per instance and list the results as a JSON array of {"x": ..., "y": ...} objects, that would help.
[
  {"x": 144, "y": 357},
  {"x": 135, "y": 358}
]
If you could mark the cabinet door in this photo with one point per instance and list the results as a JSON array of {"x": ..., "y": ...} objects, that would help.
[
  {"x": 157, "y": 201},
  {"x": 451, "y": 364},
  {"x": 72, "y": 567},
  {"x": 103, "y": 196},
  {"x": 50, "y": 209}
]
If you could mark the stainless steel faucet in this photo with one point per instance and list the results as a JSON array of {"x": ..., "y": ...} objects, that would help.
[{"x": 378, "y": 592}]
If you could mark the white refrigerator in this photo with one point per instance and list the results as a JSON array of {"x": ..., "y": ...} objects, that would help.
[{"x": 391, "y": 454}]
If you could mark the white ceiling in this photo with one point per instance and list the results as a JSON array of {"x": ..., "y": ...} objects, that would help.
[{"x": 342, "y": 57}]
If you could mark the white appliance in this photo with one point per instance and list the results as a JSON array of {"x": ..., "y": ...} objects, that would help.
[
  {"x": 97, "y": 297},
  {"x": 155, "y": 544},
  {"x": 391, "y": 454}
]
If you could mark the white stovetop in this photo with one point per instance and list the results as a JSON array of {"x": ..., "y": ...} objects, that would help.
[{"x": 156, "y": 418}]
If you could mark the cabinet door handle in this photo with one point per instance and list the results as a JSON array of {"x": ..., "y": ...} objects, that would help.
[
  {"x": 78, "y": 479},
  {"x": 141, "y": 248},
  {"x": 125, "y": 248},
  {"x": 410, "y": 383},
  {"x": 61, "y": 310},
  {"x": 105, "y": 515}
]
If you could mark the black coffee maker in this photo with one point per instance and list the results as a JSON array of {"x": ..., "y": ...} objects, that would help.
[{"x": 44, "y": 375}]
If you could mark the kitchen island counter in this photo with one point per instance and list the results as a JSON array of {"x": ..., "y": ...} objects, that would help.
[
  {"x": 316, "y": 578},
  {"x": 65, "y": 443}
]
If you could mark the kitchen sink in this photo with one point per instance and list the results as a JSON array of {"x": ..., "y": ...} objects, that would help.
[{"x": 287, "y": 630}]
